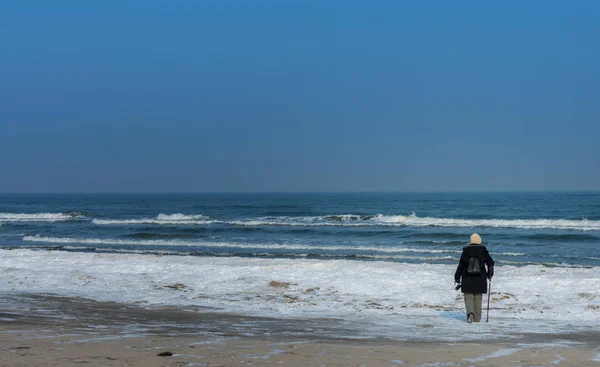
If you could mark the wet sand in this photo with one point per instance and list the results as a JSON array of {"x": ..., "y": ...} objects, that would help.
[{"x": 43, "y": 330}]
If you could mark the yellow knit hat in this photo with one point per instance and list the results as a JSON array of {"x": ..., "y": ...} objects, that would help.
[{"x": 475, "y": 239}]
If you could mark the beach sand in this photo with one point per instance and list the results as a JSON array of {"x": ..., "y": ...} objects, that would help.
[{"x": 43, "y": 330}]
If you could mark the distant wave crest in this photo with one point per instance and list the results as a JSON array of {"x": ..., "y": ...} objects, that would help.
[
  {"x": 359, "y": 220},
  {"x": 173, "y": 219},
  {"x": 413, "y": 220},
  {"x": 40, "y": 217}
]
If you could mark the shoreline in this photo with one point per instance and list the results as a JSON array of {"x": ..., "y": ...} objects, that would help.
[{"x": 45, "y": 330}]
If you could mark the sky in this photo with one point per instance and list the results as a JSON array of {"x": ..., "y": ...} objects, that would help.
[{"x": 247, "y": 96}]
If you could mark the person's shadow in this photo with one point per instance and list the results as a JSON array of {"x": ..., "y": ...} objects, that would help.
[{"x": 456, "y": 315}]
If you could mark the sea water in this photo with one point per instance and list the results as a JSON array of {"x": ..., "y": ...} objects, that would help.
[{"x": 382, "y": 262}]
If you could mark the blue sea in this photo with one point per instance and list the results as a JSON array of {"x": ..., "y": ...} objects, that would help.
[
  {"x": 553, "y": 229},
  {"x": 381, "y": 263}
]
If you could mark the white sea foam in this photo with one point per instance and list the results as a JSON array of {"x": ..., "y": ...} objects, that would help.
[
  {"x": 415, "y": 221},
  {"x": 405, "y": 257},
  {"x": 355, "y": 220},
  {"x": 179, "y": 216},
  {"x": 558, "y": 359},
  {"x": 166, "y": 219},
  {"x": 125, "y": 251},
  {"x": 255, "y": 246},
  {"x": 545, "y": 263},
  {"x": 389, "y": 298},
  {"x": 373, "y": 252},
  {"x": 39, "y": 217},
  {"x": 496, "y": 354}
]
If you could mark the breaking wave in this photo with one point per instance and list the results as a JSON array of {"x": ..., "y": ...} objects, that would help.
[
  {"x": 169, "y": 219},
  {"x": 357, "y": 220},
  {"x": 264, "y": 249},
  {"x": 253, "y": 246},
  {"x": 40, "y": 217},
  {"x": 413, "y": 220},
  {"x": 348, "y": 220}
]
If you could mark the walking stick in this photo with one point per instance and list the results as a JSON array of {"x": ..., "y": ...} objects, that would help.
[{"x": 487, "y": 317}]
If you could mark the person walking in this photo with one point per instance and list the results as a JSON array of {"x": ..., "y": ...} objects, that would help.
[{"x": 472, "y": 275}]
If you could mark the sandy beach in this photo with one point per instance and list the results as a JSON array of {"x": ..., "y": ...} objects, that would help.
[
  {"x": 299, "y": 183},
  {"x": 56, "y": 331}
]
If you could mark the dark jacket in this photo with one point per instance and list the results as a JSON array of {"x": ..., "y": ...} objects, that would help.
[{"x": 474, "y": 283}]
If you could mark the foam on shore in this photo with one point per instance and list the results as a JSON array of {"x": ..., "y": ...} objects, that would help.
[{"x": 397, "y": 299}]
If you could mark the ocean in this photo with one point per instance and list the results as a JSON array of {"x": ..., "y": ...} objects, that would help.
[{"x": 382, "y": 260}]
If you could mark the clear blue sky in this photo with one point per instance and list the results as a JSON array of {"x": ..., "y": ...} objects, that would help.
[{"x": 154, "y": 96}]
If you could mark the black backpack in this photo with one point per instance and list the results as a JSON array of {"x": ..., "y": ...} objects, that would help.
[{"x": 475, "y": 266}]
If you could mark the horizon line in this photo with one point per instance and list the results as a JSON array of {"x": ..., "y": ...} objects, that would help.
[{"x": 298, "y": 192}]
